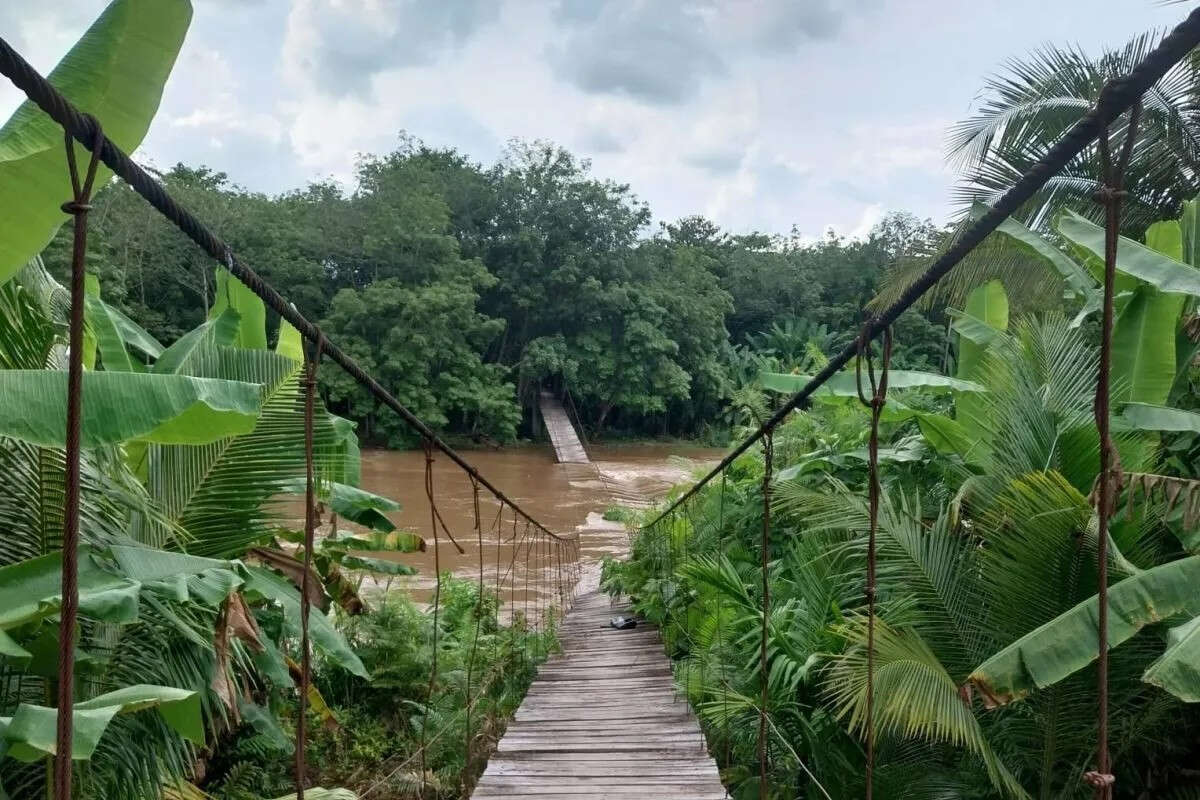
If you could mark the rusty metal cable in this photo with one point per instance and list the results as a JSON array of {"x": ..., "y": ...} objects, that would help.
[
  {"x": 310, "y": 534},
  {"x": 78, "y": 206},
  {"x": 1110, "y": 195},
  {"x": 437, "y": 597},
  {"x": 765, "y": 565},
  {"x": 875, "y": 404},
  {"x": 478, "y": 611},
  {"x": 720, "y": 633},
  {"x": 310, "y": 528}
]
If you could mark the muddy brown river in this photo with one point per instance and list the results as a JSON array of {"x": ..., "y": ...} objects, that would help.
[{"x": 566, "y": 498}]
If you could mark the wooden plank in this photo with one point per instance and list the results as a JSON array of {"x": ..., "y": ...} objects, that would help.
[{"x": 603, "y": 720}]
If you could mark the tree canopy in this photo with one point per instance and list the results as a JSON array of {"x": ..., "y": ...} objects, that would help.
[{"x": 466, "y": 287}]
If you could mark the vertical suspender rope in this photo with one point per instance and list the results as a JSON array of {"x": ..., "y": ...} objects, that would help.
[
  {"x": 875, "y": 404},
  {"x": 765, "y": 563},
  {"x": 437, "y": 596},
  {"x": 310, "y": 527},
  {"x": 478, "y": 611},
  {"x": 78, "y": 206},
  {"x": 720, "y": 633},
  {"x": 1110, "y": 195}
]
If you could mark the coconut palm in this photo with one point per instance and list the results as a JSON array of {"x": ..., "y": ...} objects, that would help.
[{"x": 1029, "y": 106}]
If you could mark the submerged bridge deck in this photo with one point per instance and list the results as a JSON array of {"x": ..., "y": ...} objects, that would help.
[
  {"x": 601, "y": 720},
  {"x": 567, "y": 447}
]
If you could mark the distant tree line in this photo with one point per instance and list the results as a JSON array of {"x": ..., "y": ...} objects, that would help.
[{"x": 467, "y": 289}]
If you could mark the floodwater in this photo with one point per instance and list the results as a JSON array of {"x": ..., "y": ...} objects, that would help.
[{"x": 568, "y": 499}]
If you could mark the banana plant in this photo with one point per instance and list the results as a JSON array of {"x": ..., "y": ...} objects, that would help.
[{"x": 1157, "y": 283}]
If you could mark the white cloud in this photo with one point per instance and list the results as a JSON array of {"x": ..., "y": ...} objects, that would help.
[{"x": 763, "y": 114}]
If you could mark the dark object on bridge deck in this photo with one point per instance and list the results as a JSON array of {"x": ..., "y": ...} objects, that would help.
[{"x": 623, "y": 623}]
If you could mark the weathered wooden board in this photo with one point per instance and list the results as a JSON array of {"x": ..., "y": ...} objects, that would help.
[{"x": 602, "y": 720}]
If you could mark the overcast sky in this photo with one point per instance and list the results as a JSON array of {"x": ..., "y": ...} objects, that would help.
[{"x": 761, "y": 114}]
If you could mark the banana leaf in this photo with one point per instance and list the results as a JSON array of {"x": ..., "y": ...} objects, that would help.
[
  {"x": 398, "y": 541},
  {"x": 989, "y": 305},
  {"x": 115, "y": 72},
  {"x": 102, "y": 323},
  {"x": 118, "y": 407},
  {"x": 110, "y": 581},
  {"x": 1147, "y": 417},
  {"x": 973, "y": 329},
  {"x": 219, "y": 330},
  {"x": 363, "y": 507},
  {"x": 354, "y": 504},
  {"x": 290, "y": 343},
  {"x": 381, "y": 565},
  {"x": 1079, "y": 282},
  {"x": 1068, "y": 643},
  {"x": 31, "y": 732},
  {"x": 1143, "y": 347},
  {"x": 252, "y": 314},
  {"x": 842, "y": 384},
  {"x": 345, "y": 457},
  {"x": 1159, "y": 266},
  {"x": 1177, "y": 670},
  {"x": 279, "y": 590}
]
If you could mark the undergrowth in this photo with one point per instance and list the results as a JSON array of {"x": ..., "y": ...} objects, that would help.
[{"x": 368, "y": 739}]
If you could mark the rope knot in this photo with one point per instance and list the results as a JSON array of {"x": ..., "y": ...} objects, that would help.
[
  {"x": 1099, "y": 780},
  {"x": 75, "y": 207},
  {"x": 1108, "y": 194}
]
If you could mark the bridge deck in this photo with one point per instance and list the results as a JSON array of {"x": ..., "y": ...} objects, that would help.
[
  {"x": 602, "y": 721},
  {"x": 567, "y": 447}
]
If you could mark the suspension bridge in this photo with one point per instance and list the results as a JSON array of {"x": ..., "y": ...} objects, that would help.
[
  {"x": 563, "y": 436},
  {"x": 602, "y": 718}
]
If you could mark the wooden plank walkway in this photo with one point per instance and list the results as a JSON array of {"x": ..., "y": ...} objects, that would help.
[
  {"x": 601, "y": 720},
  {"x": 567, "y": 447}
]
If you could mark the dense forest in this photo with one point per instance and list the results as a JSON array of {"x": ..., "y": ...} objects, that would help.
[{"x": 466, "y": 288}]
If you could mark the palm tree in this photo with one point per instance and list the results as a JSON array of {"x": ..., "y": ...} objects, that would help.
[{"x": 1035, "y": 100}]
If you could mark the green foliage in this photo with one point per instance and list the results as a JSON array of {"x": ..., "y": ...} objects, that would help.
[
  {"x": 466, "y": 289},
  {"x": 379, "y": 716},
  {"x": 115, "y": 72},
  {"x": 985, "y": 551}
]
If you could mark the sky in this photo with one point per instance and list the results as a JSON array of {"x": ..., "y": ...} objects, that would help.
[{"x": 760, "y": 114}]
